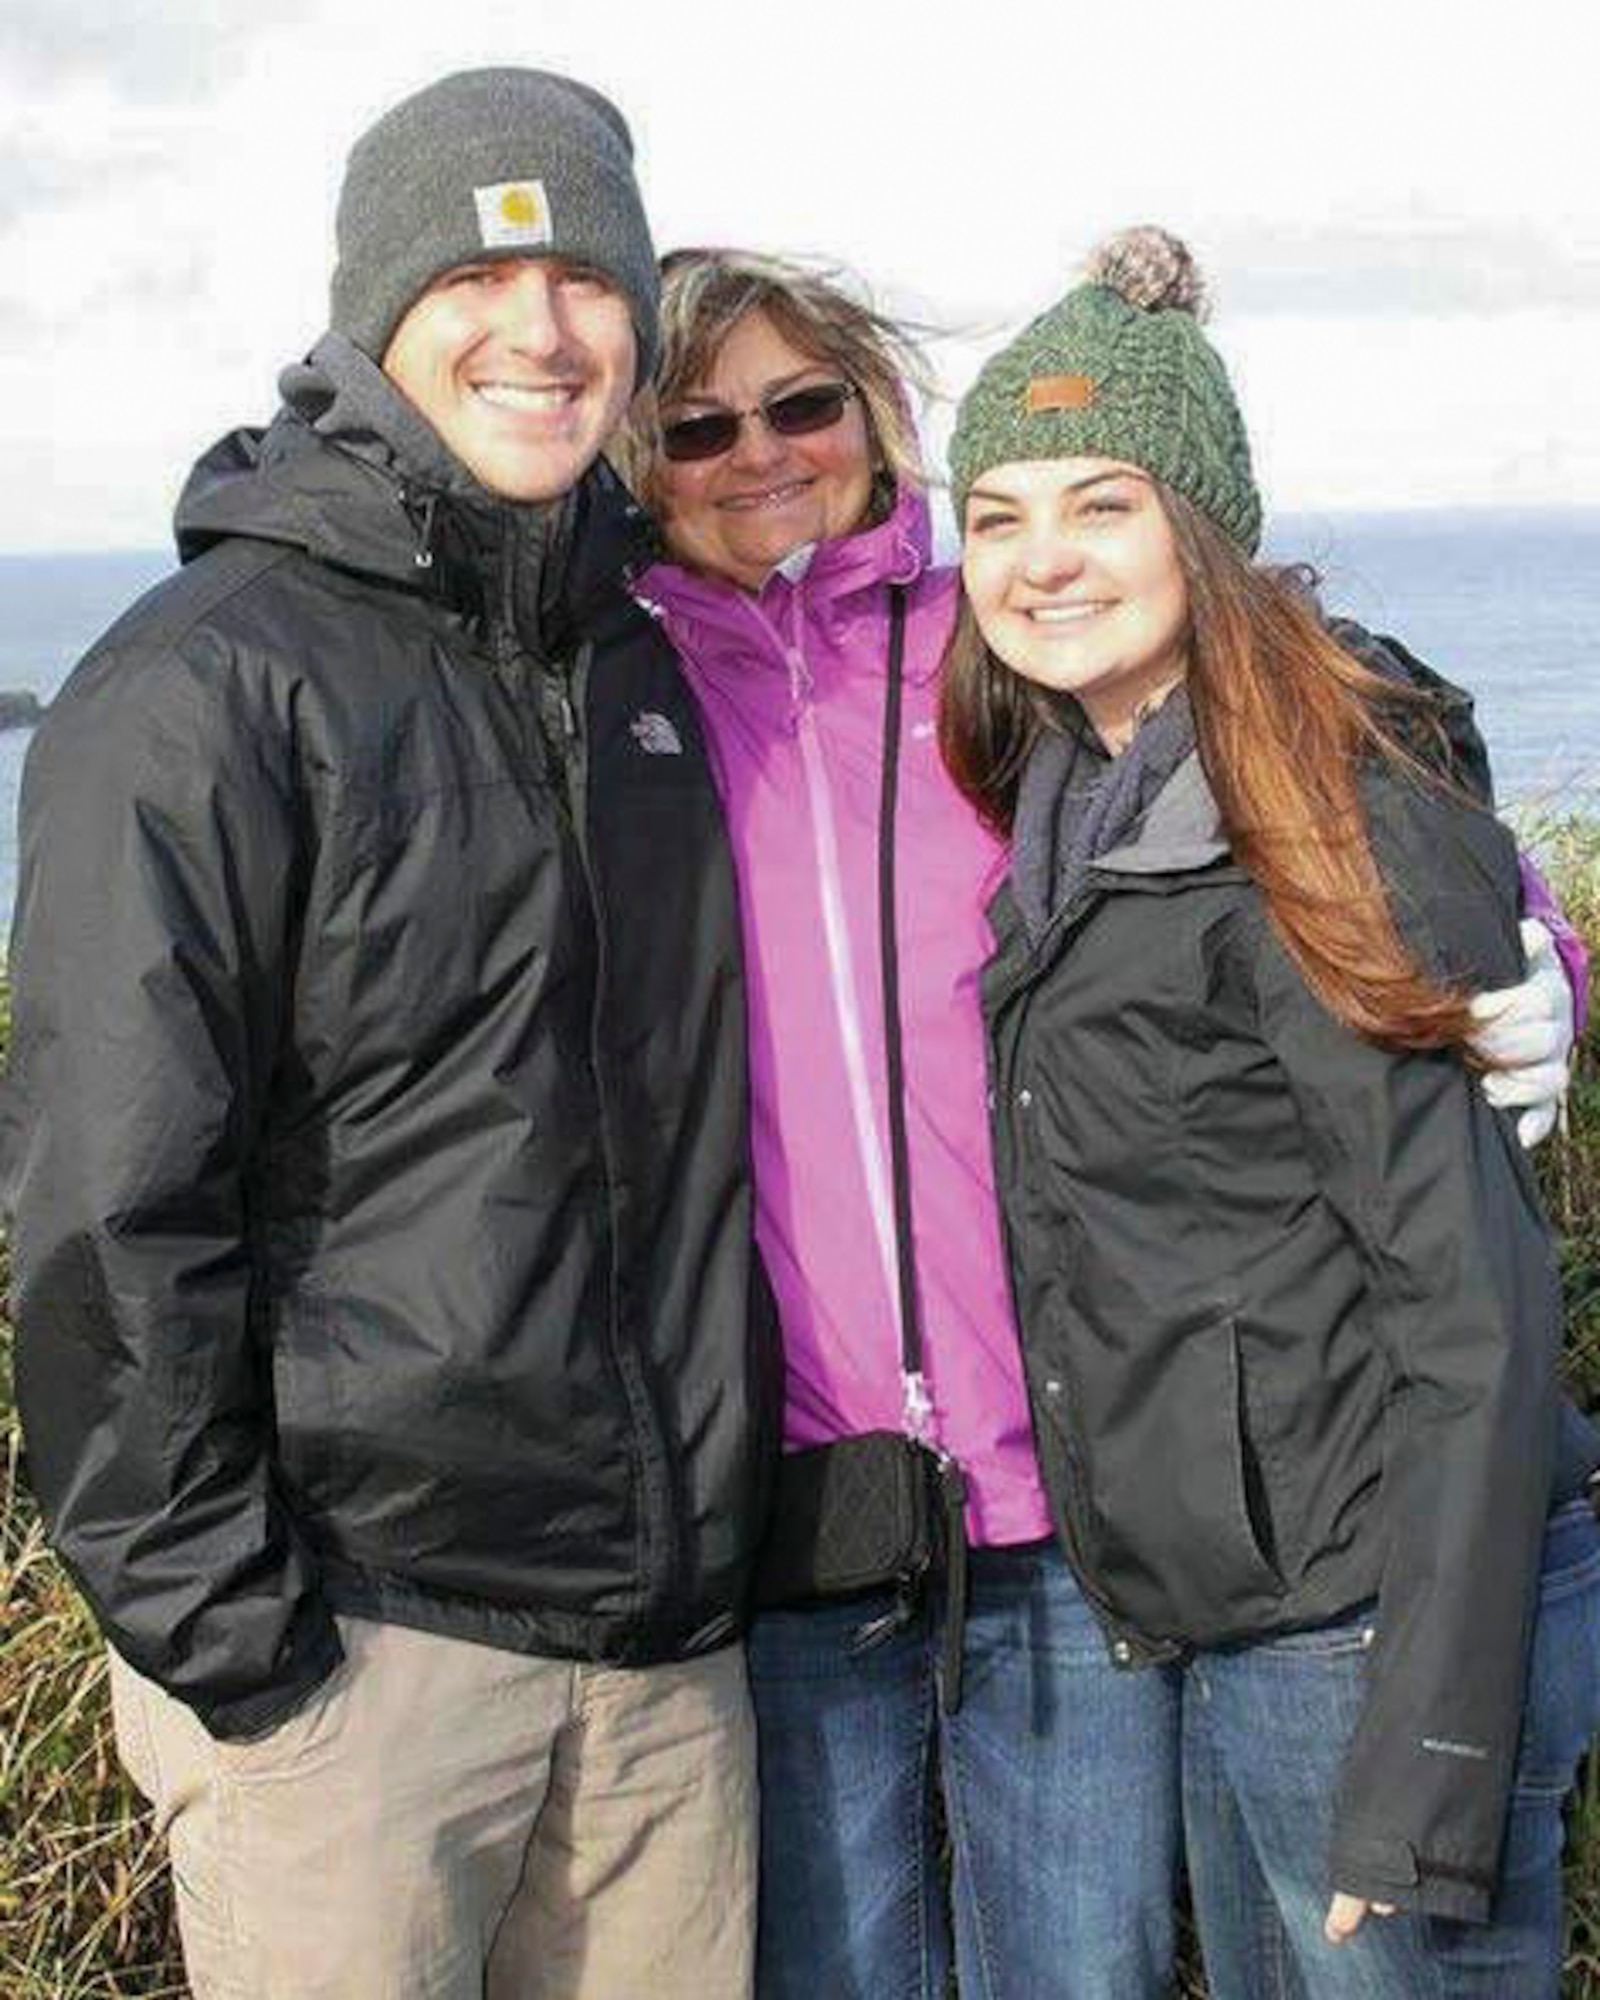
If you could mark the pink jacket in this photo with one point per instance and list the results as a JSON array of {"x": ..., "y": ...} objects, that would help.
[{"x": 791, "y": 687}]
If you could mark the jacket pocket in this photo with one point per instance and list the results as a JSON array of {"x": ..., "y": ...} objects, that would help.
[
  {"x": 1183, "y": 1530},
  {"x": 1346, "y": 1637}
]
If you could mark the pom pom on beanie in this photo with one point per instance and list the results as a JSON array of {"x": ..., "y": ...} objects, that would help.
[{"x": 1151, "y": 269}]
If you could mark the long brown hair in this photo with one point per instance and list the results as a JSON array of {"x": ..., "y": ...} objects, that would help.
[{"x": 1285, "y": 718}]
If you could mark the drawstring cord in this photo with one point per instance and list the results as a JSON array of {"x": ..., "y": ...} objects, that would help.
[
  {"x": 422, "y": 516},
  {"x": 430, "y": 510}
]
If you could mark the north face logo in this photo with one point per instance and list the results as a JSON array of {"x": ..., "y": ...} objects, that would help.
[{"x": 656, "y": 734}]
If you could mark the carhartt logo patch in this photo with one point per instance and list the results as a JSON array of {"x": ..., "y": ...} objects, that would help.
[
  {"x": 1060, "y": 392},
  {"x": 514, "y": 215},
  {"x": 656, "y": 734}
]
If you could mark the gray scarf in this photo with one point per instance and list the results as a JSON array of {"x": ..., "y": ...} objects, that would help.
[{"x": 1075, "y": 803}]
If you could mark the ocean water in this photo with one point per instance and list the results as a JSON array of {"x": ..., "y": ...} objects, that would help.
[
  {"x": 1507, "y": 605},
  {"x": 51, "y": 609}
]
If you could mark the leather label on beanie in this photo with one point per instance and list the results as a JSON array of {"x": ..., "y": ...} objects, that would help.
[
  {"x": 1059, "y": 392},
  {"x": 514, "y": 215}
]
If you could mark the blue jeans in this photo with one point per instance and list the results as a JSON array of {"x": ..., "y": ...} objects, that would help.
[
  {"x": 1060, "y": 1781},
  {"x": 1264, "y": 1733}
]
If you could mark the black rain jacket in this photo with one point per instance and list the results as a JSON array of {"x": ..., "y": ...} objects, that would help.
[
  {"x": 377, "y": 1108},
  {"x": 1289, "y": 1306}
]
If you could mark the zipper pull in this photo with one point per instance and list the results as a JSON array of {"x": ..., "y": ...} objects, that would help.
[
  {"x": 800, "y": 682},
  {"x": 916, "y": 1409},
  {"x": 423, "y": 557}
]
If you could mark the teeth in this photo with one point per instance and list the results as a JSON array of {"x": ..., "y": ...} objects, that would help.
[
  {"x": 773, "y": 497},
  {"x": 518, "y": 396},
  {"x": 1064, "y": 614}
]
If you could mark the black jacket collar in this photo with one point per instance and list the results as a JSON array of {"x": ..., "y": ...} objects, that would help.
[{"x": 351, "y": 472}]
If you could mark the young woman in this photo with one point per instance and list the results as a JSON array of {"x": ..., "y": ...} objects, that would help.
[{"x": 1289, "y": 1309}]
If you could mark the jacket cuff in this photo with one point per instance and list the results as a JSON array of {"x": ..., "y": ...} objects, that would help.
[
  {"x": 1391, "y": 1871},
  {"x": 1538, "y": 901},
  {"x": 259, "y": 1713}
]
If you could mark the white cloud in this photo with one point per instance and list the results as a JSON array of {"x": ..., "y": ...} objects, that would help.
[
  {"x": 1406, "y": 265},
  {"x": 147, "y": 49}
]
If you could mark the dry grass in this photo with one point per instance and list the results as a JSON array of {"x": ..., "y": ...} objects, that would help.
[{"x": 84, "y": 1904}]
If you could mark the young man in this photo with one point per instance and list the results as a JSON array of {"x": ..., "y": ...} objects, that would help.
[{"x": 390, "y": 1349}]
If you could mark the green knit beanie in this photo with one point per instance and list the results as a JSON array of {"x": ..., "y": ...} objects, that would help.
[{"x": 1118, "y": 369}]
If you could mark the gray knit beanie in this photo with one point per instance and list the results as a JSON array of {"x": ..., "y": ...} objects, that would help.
[
  {"x": 1118, "y": 368},
  {"x": 489, "y": 163}
]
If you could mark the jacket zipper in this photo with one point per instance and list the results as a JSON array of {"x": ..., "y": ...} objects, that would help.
[
  {"x": 560, "y": 698},
  {"x": 658, "y": 1517},
  {"x": 842, "y": 977}
]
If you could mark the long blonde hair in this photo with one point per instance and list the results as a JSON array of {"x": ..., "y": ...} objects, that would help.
[{"x": 704, "y": 296}]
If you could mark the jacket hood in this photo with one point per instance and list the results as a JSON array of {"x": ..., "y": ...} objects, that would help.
[
  {"x": 350, "y": 472},
  {"x": 897, "y": 549}
]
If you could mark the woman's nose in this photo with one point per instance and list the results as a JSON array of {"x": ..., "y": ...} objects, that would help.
[
  {"x": 758, "y": 446},
  {"x": 1050, "y": 557}
]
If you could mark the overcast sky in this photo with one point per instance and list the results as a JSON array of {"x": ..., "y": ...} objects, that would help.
[{"x": 1398, "y": 208}]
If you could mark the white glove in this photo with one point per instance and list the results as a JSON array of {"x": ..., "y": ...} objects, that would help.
[{"x": 1527, "y": 1031}]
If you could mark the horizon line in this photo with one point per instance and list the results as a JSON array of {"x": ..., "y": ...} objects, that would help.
[{"x": 59, "y": 551}]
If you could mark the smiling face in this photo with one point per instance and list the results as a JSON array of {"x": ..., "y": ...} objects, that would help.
[
  {"x": 740, "y": 514},
  {"x": 523, "y": 365},
  {"x": 1073, "y": 576}
]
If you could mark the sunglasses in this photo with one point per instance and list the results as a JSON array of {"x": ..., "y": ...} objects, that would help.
[{"x": 796, "y": 413}]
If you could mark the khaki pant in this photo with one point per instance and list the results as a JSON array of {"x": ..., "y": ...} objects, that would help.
[{"x": 443, "y": 1821}]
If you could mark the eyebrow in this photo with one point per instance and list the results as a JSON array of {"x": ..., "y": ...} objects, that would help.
[
  {"x": 567, "y": 266},
  {"x": 775, "y": 387},
  {"x": 1077, "y": 486}
]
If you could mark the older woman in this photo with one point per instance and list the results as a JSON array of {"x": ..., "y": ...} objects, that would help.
[{"x": 786, "y": 477}]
